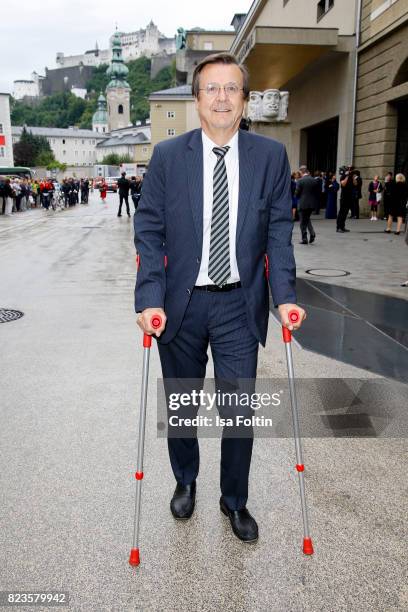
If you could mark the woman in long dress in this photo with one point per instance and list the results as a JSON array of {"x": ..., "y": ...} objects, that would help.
[{"x": 332, "y": 189}]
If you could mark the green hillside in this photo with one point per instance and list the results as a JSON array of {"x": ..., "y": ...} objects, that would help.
[{"x": 64, "y": 109}]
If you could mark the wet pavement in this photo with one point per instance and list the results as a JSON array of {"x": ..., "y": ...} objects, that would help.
[
  {"x": 70, "y": 386},
  {"x": 366, "y": 330}
]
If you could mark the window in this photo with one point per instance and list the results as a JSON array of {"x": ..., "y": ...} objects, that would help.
[
  {"x": 208, "y": 46},
  {"x": 93, "y": 142},
  {"x": 83, "y": 153},
  {"x": 120, "y": 109},
  {"x": 53, "y": 141},
  {"x": 2, "y": 152},
  {"x": 1, "y": 128},
  {"x": 76, "y": 142},
  {"x": 63, "y": 141},
  {"x": 171, "y": 114},
  {"x": 144, "y": 150},
  {"x": 64, "y": 152},
  {"x": 76, "y": 153},
  {"x": 323, "y": 7},
  {"x": 171, "y": 132},
  {"x": 96, "y": 129},
  {"x": 83, "y": 142}
]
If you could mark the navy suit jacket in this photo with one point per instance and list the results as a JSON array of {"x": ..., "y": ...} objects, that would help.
[{"x": 169, "y": 225}]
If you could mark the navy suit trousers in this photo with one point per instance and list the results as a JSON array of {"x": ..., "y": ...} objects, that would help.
[{"x": 218, "y": 320}]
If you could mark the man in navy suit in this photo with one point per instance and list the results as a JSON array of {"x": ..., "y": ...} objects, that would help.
[{"x": 216, "y": 203}]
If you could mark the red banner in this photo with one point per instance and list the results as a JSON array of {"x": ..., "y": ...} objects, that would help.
[{"x": 2, "y": 140}]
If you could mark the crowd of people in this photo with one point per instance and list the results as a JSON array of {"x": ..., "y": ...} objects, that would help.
[
  {"x": 20, "y": 194},
  {"x": 310, "y": 194}
]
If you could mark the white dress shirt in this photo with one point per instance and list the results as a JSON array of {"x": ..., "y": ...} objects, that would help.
[{"x": 232, "y": 166}]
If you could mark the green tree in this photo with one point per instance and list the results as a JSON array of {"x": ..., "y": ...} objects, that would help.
[
  {"x": 24, "y": 154},
  {"x": 112, "y": 159},
  {"x": 45, "y": 158},
  {"x": 32, "y": 150}
]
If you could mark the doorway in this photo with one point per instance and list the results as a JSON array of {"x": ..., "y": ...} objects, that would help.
[
  {"x": 321, "y": 145},
  {"x": 401, "y": 154}
]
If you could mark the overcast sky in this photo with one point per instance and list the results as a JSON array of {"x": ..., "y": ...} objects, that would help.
[{"x": 31, "y": 33}]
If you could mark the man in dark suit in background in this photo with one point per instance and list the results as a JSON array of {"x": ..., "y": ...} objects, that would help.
[
  {"x": 308, "y": 194},
  {"x": 123, "y": 186},
  {"x": 215, "y": 202}
]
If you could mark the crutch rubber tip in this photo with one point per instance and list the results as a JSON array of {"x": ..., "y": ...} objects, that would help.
[
  {"x": 308, "y": 546},
  {"x": 134, "y": 558}
]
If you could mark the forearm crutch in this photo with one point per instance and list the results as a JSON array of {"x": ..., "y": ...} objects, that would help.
[
  {"x": 134, "y": 558},
  {"x": 287, "y": 338}
]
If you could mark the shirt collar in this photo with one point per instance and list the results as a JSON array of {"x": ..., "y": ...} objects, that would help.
[{"x": 208, "y": 144}]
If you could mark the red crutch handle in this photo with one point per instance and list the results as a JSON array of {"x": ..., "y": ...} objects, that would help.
[
  {"x": 293, "y": 318},
  {"x": 155, "y": 322}
]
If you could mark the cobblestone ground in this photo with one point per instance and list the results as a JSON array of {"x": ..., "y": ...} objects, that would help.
[{"x": 70, "y": 385}]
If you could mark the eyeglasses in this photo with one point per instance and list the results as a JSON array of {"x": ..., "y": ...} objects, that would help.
[{"x": 213, "y": 89}]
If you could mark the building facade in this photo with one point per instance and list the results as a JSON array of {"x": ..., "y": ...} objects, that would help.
[
  {"x": 30, "y": 88},
  {"x": 71, "y": 146},
  {"x": 134, "y": 141},
  {"x": 6, "y": 143},
  {"x": 196, "y": 44},
  {"x": 93, "y": 57},
  {"x": 381, "y": 127},
  {"x": 100, "y": 121},
  {"x": 118, "y": 89},
  {"x": 147, "y": 41},
  {"x": 307, "y": 49},
  {"x": 172, "y": 113}
]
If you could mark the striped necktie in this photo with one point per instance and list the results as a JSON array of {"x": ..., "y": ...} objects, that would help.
[{"x": 219, "y": 260}]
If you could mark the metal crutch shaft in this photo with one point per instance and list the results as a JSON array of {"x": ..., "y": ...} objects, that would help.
[
  {"x": 287, "y": 338},
  {"x": 134, "y": 558}
]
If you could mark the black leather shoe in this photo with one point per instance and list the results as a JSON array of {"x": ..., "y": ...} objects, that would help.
[
  {"x": 183, "y": 501},
  {"x": 243, "y": 524},
  {"x": 303, "y": 242},
  {"x": 312, "y": 238}
]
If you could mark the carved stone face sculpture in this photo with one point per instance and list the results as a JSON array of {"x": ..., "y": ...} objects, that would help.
[
  {"x": 284, "y": 103},
  {"x": 255, "y": 106},
  {"x": 270, "y": 103}
]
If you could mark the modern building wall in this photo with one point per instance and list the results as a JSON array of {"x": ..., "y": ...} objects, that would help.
[
  {"x": 324, "y": 93},
  {"x": 209, "y": 41},
  {"x": 303, "y": 13},
  {"x": 382, "y": 91},
  {"x": 6, "y": 144},
  {"x": 286, "y": 45},
  {"x": 199, "y": 44}
]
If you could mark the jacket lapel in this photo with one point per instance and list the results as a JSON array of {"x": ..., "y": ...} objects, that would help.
[
  {"x": 194, "y": 163},
  {"x": 246, "y": 176}
]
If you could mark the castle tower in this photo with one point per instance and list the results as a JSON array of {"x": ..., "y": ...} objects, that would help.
[
  {"x": 118, "y": 89},
  {"x": 100, "y": 117}
]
